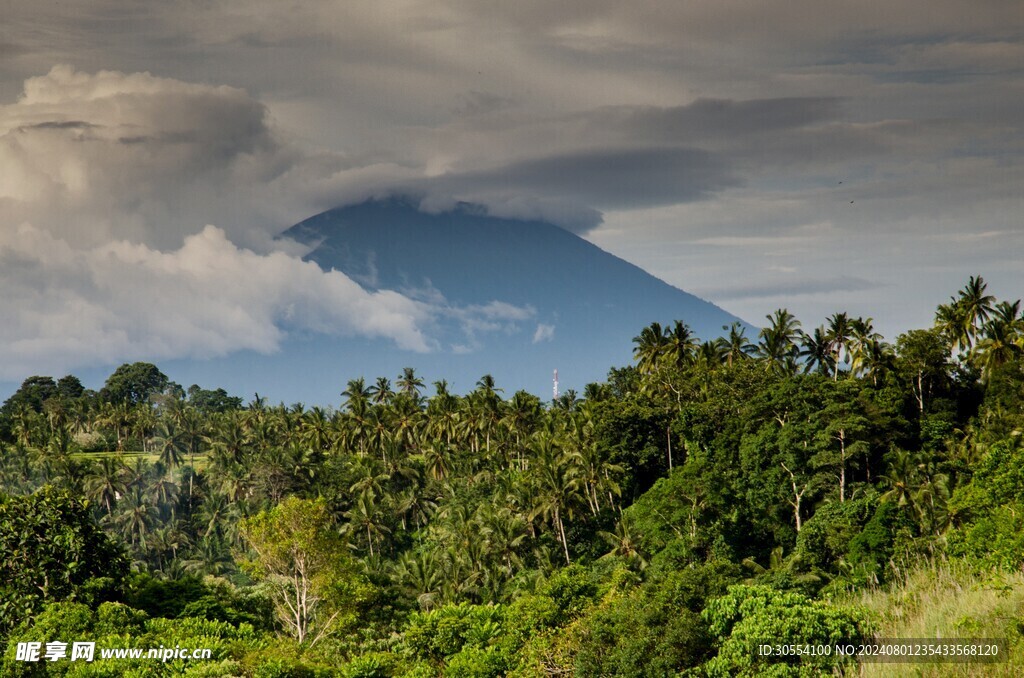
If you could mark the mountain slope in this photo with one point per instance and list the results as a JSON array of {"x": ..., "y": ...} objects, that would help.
[
  {"x": 513, "y": 299},
  {"x": 579, "y": 305}
]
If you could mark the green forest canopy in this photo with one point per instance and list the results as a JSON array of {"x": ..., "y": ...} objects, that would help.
[{"x": 714, "y": 493}]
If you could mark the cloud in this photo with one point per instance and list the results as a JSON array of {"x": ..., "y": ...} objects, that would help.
[
  {"x": 613, "y": 178},
  {"x": 792, "y": 288},
  {"x": 543, "y": 333},
  {"x": 66, "y": 306},
  {"x": 914, "y": 106},
  {"x": 92, "y": 157}
]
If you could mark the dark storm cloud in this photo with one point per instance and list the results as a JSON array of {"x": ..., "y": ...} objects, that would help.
[
  {"x": 611, "y": 178},
  {"x": 63, "y": 124}
]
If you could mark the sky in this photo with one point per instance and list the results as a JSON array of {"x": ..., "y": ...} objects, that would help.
[{"x": 816, "y": 155}]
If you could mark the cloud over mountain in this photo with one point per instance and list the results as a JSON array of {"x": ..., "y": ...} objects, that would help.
[{"x": 67, "y": 307}]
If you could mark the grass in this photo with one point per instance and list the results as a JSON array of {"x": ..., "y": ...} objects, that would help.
[
  {"x": 942, "y": 599},
  {"x": 130, "y": 456}
]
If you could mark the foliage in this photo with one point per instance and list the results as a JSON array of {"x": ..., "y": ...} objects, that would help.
[
  {"x": 424, "y": 534},
  {"x": 133, "y": 383},
  {"x": 748, "y": 616},
  {"x": 51, "y": 549},
  {"x": 314, "y": 585}
]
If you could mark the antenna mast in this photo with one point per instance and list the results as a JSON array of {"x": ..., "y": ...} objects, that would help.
[{"x": 555, "y": 390}]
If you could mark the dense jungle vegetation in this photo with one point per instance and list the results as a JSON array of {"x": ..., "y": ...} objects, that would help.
[{"x": 795, "y": 486}]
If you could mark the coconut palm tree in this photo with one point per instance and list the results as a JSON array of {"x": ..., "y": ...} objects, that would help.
[
  {"x": 652, "y": 348},
  {"x": 171, "y": 444},
  {"x": 136, "y": 518},
  {"x": 777, "y": 343},
  {"x": 422, "y": 575},
  {"x": 366, "y": 516},
  {"x": 107, "y": 481},
  {"x": 839, "y": 333},
  {"x": 682, "y": 344},
  {"x": 380, "y": 393},
  {"x": 1002, "y": 339},
  {"x": 557, "y": 487},
  {"x": 863, "y": 338},
  {"x": 736, "y": 346},
  {"x": 977, "y": 306},
  {"x": 951, "y": 321},
  {"x": 409, "y": 384},
  {"x": 625, "y": 543},
  {"x": 816, "y": 352}
]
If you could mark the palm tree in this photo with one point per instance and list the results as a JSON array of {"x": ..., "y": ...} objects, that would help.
[
  {"x": 107, "y": 481},
  {"x": 171, "y": 444},
  {"x": 409, "y": 383},
  {"x": 25, "y": 422},
  {"x": 356, "y": 394},
  {"x": 816, "y": 352},
  {"x": 365, "y": 515},
  {"x": 863, "y": 339},
  {"x": 438, "y": 460},
  {"x": 839, "y": 333},
  {"x": 625, "y": 542},
  {"x": 143, "y": 423},
  {"x": 977, "y": 306},
  {"x": 681, "y": 344},
  {"x": 164, "y": 491},
  {"x": 136, "y": 518},
  {"x": 1002, "y": 339},
  {"x": 652, "y": 346},
  {"x": 902, "y": 477},
  {"x": 711, "y": 354},
  {"x": 557, "y": 487},
  {"x": 594, "y": 392},
  {"x": 736, "y": 346},
  {"x": 380, "y": 393},
  {"x": 876, "y": 358},
  {"x": 951, "y": 321},
  {"x": 316, "y": 430},
  {"x": 422, "y": 575},
  {"x": 777, "y": 343}
]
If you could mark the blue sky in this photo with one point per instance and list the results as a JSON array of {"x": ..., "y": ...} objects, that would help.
[{"x": 819, "y": 156}]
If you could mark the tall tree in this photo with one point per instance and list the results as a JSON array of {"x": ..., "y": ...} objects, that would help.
[
  {"x": 300, "y": 556},
  {"x": 652, "y": 347}
]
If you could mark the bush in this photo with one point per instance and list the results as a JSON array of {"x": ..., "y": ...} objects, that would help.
[
  {"x": 750, "y": 615},
  {"x": 443, "y": 632}
]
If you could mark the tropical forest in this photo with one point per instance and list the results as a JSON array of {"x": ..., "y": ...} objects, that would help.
[{"x": 799, "y": 486}]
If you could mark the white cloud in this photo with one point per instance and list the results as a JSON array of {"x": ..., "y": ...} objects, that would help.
[
  {"x": 96, "y": 157},
  {"x": 65, "y": 306},
  {"x": 543, "y": 333}
]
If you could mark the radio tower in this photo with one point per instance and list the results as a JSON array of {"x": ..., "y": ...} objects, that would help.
[{"x": 555, "y": 389}]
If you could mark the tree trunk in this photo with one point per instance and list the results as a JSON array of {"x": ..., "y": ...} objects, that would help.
[
  {"x": 668, "y": 437},
  {"x": 561, "y": 531},
  {"x": 842, "y": 465},
  {"x": 798, "y": 496}
]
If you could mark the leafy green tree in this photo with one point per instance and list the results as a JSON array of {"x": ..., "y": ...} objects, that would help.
[
  {"x": 210, "y": 401},
  {"x": 70, "y": 387},
  {"x": 133, "y": 383},
  {"x": 923, "y": 361},
  {"x": 298, "y": 553},
  {"x": 50, "y": 550},
  {"x": 842, "y": 427}
]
